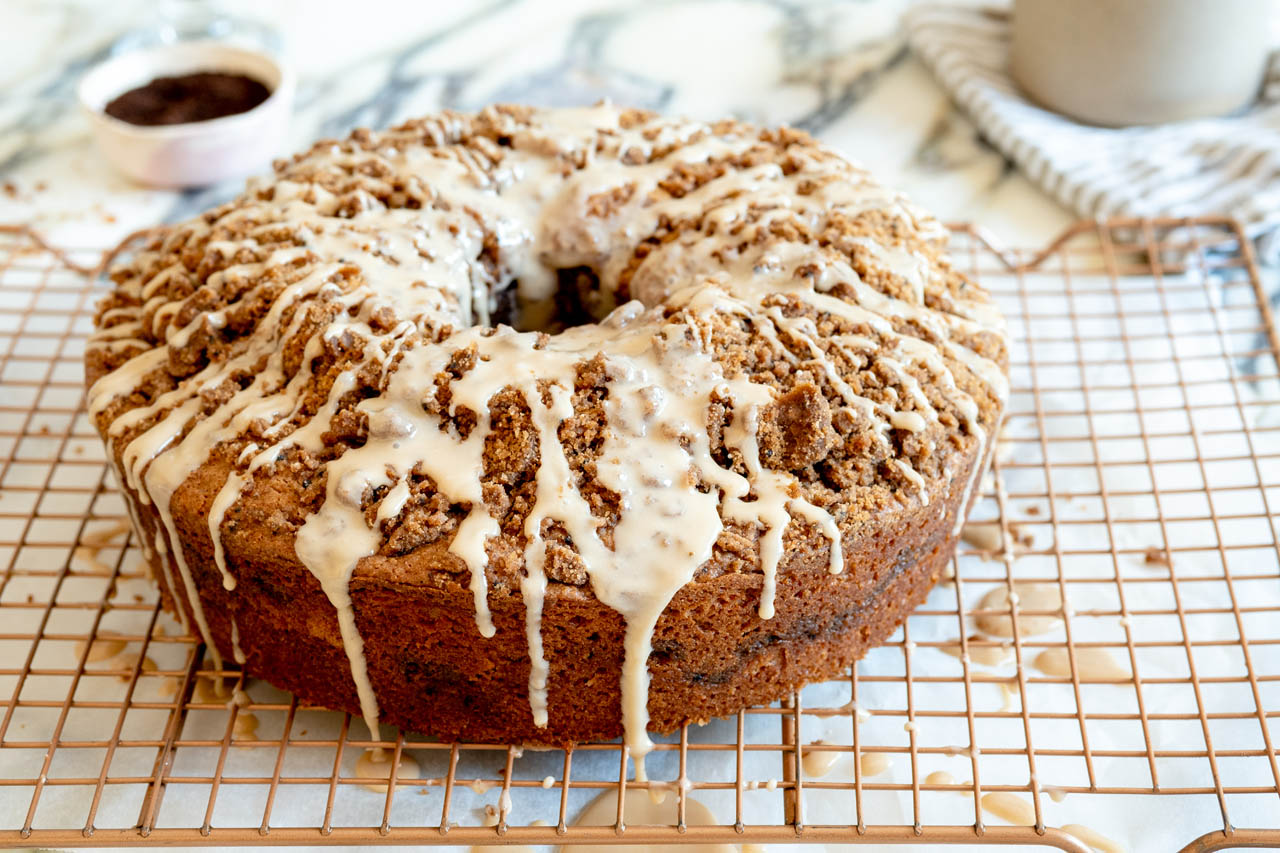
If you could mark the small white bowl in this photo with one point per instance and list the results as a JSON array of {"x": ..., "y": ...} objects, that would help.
[{"x": 196, "y": 153}]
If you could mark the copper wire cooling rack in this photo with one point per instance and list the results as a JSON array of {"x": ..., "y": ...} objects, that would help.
[{"x": 1135, "y": 492}]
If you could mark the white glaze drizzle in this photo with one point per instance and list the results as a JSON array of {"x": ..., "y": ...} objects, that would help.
[{"x": 423, "y": 265}]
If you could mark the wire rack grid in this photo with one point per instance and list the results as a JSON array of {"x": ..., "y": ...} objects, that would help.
[{"x": 1111, "y": 632}]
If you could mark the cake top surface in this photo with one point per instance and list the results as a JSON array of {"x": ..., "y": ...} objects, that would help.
[{"x": 723, "y": 331}]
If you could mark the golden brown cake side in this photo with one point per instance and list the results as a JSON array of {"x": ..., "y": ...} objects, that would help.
[
  {"x": 712, "y": 653},
  {"x": 351, "y": 477}
]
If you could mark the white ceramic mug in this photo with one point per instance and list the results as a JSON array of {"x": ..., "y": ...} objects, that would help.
[{"x": 1123, "y": 62}]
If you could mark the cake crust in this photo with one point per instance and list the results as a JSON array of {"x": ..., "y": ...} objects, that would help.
[
  {"x": 735, "y": 457},
  {"x": 712, "y": 653}
]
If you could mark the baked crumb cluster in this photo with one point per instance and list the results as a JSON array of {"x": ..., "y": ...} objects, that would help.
[{"x": 722, "y": 327}]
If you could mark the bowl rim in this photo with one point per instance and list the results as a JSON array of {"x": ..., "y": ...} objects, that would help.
[{"x": 281, "y": 89}]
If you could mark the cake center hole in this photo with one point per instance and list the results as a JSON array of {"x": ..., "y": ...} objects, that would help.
[{"x": 578, "y": 300}]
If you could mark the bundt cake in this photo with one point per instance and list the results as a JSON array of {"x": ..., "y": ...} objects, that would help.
[{"x": 548, "y": 425}]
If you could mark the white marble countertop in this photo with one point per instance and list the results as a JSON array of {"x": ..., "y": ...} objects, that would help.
[{"x": 839, "y": 70}]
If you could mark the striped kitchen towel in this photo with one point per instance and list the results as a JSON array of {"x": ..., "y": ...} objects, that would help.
[{"x": 1228, "y": 166}]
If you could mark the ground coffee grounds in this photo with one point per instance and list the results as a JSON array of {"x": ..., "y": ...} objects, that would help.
[{"x": 186, "y": 98}]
